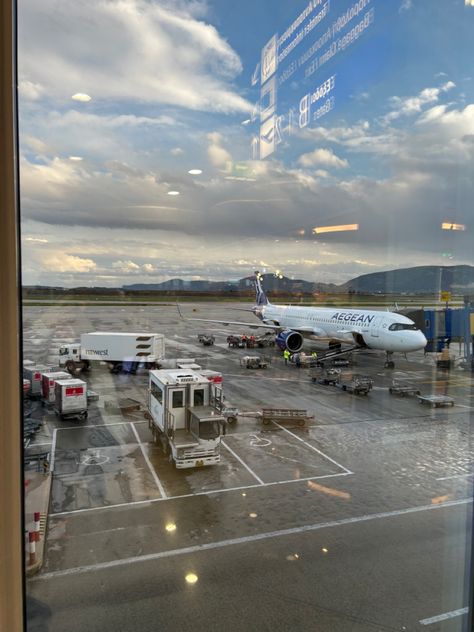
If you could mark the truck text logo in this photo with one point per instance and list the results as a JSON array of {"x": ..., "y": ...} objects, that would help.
[
  {"x": 101, "y": 352},
  {"x": 353, "y": 317}
]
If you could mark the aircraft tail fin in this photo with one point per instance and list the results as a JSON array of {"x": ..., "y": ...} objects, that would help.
[{"x": 261, "y": 297}]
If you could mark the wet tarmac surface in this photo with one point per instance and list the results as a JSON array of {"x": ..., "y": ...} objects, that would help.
[{"x": 115, "y": 494}]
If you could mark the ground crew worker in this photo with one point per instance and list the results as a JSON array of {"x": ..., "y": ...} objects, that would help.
[{"x": 286, "y": 355}]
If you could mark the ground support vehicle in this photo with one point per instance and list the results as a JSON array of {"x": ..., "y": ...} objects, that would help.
[
  {"x": 181, "y": 415},
  {"x": 253, "y": 362},
  {"x": 70, "y": 399},
  {"x": 236, "y": 342},
  {"x": 120, "y": 351},
  {"x": 206, "y": 339},
  {"x": 402, "y": 388},
  {"x": 48, "y": 381},
  {"x": 355, "y": 383},
  {"x": 329, "y": 377},
  {"x": 26, "y": 387},
  {"x": 285, "y": 415},
  {"x": 265, "y": 340},
  {"x": 436, "y": 400},
  {"x": 351, "y": 382}
]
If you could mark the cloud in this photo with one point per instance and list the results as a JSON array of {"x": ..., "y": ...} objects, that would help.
[
  {"x": 142, "y": 35},
  {"x": 29, "y": 90},
  {"x": 61, "y": 262},
  {"x": 405, "y": 106},
  {"x": 218, "y": 156},
  {"x": 405, "y": 6},
  {"x": 324, "y": 158}
]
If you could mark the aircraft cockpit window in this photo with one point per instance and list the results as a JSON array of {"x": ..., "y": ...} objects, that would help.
[{"x": 402, "y": 326}]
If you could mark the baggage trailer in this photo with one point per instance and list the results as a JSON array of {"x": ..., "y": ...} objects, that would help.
[
  {"x": 118, "y": 350},
  {"x": 436, "y": 400},
  {"x": 402, "y": 388},
  {"x": 70, "y": 399},
  {"x": 181, "y": 415},
  {"x": 284, "y": 415},
  {"x": 48, "y": 381}
]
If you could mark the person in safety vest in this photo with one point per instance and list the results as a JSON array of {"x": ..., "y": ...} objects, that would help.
[{"x": 286, "y": 355}]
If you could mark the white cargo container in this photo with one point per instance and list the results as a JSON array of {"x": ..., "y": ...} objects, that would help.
[
  {"x": 117, "y": 349},
  {"x": 70, "y": 398},
  {"x": 183, "y": 417},
  {"x": 48, "y": 380},
  {"x": 33, "y": 373}
]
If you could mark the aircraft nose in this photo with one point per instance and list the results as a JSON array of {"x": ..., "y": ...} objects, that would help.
[{"x": 421, "y": 340}]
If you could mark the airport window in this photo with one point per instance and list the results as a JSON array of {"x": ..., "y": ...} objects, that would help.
[
  {"x": 276, "y": 196},
  {"x": 178, "y": 399},
  {"x": 156, "y": 392},
  {"x": 198, "y": 397}
]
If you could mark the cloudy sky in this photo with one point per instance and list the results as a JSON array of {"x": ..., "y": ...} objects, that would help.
[{"x": 121, "y": 99}]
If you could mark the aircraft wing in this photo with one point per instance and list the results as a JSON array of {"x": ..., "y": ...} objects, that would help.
[{"x": 237, "y": 323}]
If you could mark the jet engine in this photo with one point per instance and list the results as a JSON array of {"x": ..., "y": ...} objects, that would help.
[{"x": 291, "y": 340}]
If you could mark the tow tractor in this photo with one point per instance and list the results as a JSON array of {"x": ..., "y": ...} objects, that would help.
[{"x": 346, "y": 381}]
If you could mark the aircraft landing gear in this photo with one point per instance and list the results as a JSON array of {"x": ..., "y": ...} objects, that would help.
[{"x": 389, "y": 363}]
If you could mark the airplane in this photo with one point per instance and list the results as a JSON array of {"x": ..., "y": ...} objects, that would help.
[{"x": 363, "y": 328}]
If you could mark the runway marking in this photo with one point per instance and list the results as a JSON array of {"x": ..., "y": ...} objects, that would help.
[
  {"x": 53, "y": 450},
  {"x": 313, "y": 448},
  {"x": 445, "y": 616},
  {"x": 257, "y": 478},
  {"x": 148, "y": 462},
  {"x": 253, "y": 538},
  {"x": 204, "y": 493},
  {"x": 445, "y": 478},
  {"x": 92, "y": 426}
]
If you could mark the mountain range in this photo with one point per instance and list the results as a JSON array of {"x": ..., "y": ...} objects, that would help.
[{"x": 417, "y": 280}]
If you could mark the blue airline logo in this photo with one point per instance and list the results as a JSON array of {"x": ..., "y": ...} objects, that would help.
[{"x": 353, "y": 317}]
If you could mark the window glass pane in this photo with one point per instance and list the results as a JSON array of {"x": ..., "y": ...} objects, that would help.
[
  {"x": 178, "y": 399},
  {"x": 277, "y": 197}
]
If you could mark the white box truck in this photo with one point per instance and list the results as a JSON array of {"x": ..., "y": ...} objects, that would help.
[
  {"x": 48, "y": 381},
  {"x": 70, "y": 398},
  {"x": 181, "y": 415},
  {"x": 117, "y": 349}
]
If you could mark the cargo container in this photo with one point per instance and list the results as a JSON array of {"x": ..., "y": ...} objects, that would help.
[
  {"x": 33, "y": 373},
  {"x": 120, "y": 351},
  {"x": 70, "y": 398},
  {"x": 48, "y": 381}
]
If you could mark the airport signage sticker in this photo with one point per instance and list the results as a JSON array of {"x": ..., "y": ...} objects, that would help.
[{"x": 296, "y": 76}]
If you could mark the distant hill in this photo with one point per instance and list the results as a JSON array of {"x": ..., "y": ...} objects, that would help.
[{"x": 418, "y": 280}]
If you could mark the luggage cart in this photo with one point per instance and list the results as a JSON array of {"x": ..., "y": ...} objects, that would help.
[
  {"x": 436, "y": 400},
  {"x": 403, "y": 389},
  {"x": 285, "y": 415}
]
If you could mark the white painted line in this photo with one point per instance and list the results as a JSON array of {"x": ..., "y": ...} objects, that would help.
[
  {"x": 92, "y": 426},
  {"x": 445, "y": 616},
  {"x": 53, "y": 450},
  {"x": 313, "y": 448},
  {"x": 234, "y": 454},
  {"x": 204, "y": 493},
  {"x": 37, "y": 445},
  {"x": 247, "y": 539},
  {"x": 446, "y": 478},
  {"x": 148, "y": 462}
]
